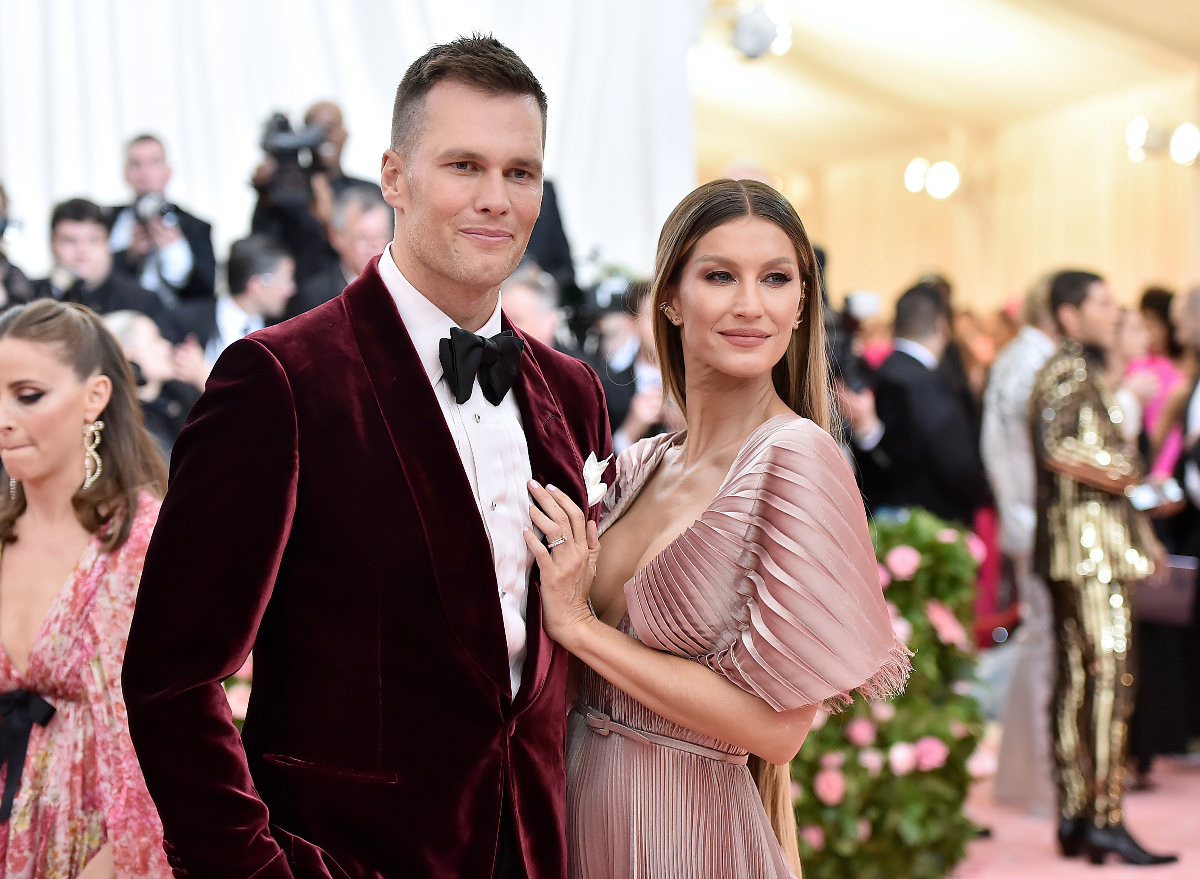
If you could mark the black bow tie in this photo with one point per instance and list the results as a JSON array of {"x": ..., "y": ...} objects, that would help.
[{"x": 497, "y": 361}]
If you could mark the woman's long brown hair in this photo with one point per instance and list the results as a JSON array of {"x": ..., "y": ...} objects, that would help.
[
  {"x": 132, "y": 463},
  {"x": 801, "y": 378}
]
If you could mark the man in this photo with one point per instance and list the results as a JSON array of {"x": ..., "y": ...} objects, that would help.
[
  {"x": 158, "y": 244},
  {"x": 349, "y": 499},
  {"x": 83, "y": 265},
  {"x": 360, "y": 228},
  {"x": 302, "y": 229},
  {"x": 1023, "y": 777},
  {"x": 531, "y": 303},
  {"x": 921, "y": 450},
  {"x": 261, "y": 284},
  {"x": 1091, "y": 547},
  {"x": 14, "y": 286}
]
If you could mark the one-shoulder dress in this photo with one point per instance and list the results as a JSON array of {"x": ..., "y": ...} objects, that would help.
[{"x": 775, "y": 587}]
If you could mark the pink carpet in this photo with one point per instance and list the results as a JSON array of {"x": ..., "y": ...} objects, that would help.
[{"x": 1166, "y": 820}]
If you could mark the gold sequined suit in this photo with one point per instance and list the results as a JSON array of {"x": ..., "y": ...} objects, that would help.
[{"x": 1091, "y": 548}]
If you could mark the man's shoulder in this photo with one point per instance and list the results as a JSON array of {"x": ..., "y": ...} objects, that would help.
[{"x": 563, "y": 372}]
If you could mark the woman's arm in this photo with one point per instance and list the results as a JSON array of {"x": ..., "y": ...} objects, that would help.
[
  {"x": 679, "y": 689},
  {"x": 101, "y": 866}
]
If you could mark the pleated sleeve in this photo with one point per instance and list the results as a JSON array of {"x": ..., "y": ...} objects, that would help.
[{"x": 776, "y": 586}]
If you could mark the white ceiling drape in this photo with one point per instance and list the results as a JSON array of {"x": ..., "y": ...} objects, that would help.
[{"x": 78, "y": 78}]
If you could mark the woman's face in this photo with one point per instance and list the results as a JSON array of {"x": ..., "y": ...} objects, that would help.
[
  {"x": 738, "y": 298},
  {"x": 150, "y": 351},
  {"x": 1159, "y": 333},
  {"x": 1133, "y": 340},
  {"x": 43, "y": 408}
]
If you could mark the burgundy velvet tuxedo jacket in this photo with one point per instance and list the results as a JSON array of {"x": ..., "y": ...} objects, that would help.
[{"x": 318, "y": 513}]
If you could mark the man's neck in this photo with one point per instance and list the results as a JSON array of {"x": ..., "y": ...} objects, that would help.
[
  {"x": 242, "y": 301},
  {"x": 469, "y": 308},
  {"x": 921, "y": 350}
]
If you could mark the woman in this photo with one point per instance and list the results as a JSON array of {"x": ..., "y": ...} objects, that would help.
[
  {"x": 734, "y": 589},
  {"x": 1164, "y": 364},
  {"x": 81, "y": 497}
]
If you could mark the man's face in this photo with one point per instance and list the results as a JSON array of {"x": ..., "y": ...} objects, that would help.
[
  {"x": 268, "y": 294},
  {"x": 1187, "y": 322},
  {"x": 146, "y": 168},
  {"x": 82, "y": 248},
  {"x": 468, "y": 195},
  {"x": 329, "y": 117},
  {"x": 365, "y": 235},
  {"x": 1095, "y": 320}
]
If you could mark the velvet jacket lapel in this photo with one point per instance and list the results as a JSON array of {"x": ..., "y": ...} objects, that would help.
[
  {"x": 458, "y": 544},
  {"x": 554, "y": 460}
]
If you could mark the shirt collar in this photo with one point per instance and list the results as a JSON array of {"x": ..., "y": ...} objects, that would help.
[
  {"x": 233, "y": 323},
  {"x": 917, "y": 352},
  {"x": 427, "y": 324}
]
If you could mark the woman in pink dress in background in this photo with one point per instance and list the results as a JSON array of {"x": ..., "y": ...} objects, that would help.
[
  {"x": 80, "y": 498},
  {"x": 732, "y": 582}
]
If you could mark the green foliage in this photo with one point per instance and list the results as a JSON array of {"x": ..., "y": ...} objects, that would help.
[{"x": 901, "y": 824}]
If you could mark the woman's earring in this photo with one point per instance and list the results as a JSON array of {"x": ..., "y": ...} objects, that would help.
[
  {"x": 12, "y": 489},
  {"x": 91, "y": 459},
  {"x": 664, "y": 308}
]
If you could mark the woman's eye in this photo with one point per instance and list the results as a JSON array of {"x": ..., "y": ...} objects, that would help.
[
  {"x": 777, "y": 279},
  {"x": 30, "y": 397},
  {"x": 719, "y": 277}
]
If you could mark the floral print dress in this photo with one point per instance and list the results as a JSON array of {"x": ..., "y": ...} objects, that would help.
[{"x": 82, "y": 787}]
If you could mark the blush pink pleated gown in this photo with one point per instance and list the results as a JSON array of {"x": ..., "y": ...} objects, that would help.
[{"x": 776, "y": 588}]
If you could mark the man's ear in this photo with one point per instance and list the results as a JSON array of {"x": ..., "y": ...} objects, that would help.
[{"x": 393, "y": 181}]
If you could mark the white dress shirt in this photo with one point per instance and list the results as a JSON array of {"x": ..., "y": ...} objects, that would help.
[
  {"x": 494, "y": 452},
  {"x": 232, "y": 324}
]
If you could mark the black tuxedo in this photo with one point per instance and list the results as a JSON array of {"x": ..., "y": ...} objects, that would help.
[
  {"x": 317, "y": 290},
  {"x": 928, "y": 456},
  {"x": 116, "y": 293},
  {"x": 196, "y": 318},
  {"x": 198, "y": 234}
]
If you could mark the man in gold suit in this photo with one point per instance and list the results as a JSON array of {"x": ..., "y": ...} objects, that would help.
[{"x": 1092, "y": 546}]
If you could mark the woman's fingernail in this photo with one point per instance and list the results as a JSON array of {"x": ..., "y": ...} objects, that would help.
[
  {"x": 523, "y": 528},
  {"x": 550, "y": 488}
]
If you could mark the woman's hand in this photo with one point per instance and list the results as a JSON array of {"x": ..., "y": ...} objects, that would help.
[{"x": 567, "y": 562}]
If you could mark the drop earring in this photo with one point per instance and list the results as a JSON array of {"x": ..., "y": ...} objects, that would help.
[
  {"x": 93, "y": 465},
  {"x": 12, "y": 489}
]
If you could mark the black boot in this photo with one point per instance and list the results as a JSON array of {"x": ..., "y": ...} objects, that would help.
[
  {"x": 1070, "y": 836},
  {"x": 1115, "y": 839}
]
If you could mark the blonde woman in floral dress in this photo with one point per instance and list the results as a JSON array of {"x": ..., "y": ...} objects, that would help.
[{"x": 78, "y": 502}]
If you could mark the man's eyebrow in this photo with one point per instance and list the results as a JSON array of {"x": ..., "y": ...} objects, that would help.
[{"x": 533, "y": 164}]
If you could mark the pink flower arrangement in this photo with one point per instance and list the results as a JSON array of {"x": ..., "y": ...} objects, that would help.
[
  {"x": 797, "y": 791},
  {"x": 982, "y": 763},
  {"x": 830, "y": 786},
  {"x": 246, "y": 672},
  {"x": 945, "y": 623},
  {"x": 885, "y": 577},
  {"x": 900, "y": 624},
  {"x": 903, "y": 561},
  {"x": 872, "y": 760},
  {"x": 814, "y": 836},
  {"x": 833, "y": 760},
  {"x": 958, "y": 729},
  {"x": 882, "y": 711},
  {"x": 860, "y": 732},
  {"x": 864, "y": 830},
  {"x": 976, "y": 547},
  {"x": 947, "y": 535},
  {"x": 902, "y": 758},
  {"x": 931, "y": 753},
  {"x": 239, "y": 700}
]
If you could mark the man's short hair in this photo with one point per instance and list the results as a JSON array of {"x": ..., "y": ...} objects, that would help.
[
  {"x": 918, "y": 310},
  {"x": 256, "y": 255},
  {"x": 365, "y": 198},
  {"x": 1070, "y": 288},
  {"x": 541, "y": 283},
  {"x": 145, "y": 138},
  {"x": 479, "y": 61},
  {"x": 78, "y": 210}
]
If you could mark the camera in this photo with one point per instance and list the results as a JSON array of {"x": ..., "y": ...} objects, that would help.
[
  {"x": 153, "y": 206},
  {"x": 295, "y": 154}
]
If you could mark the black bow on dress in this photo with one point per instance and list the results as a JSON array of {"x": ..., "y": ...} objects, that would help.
[
  {"x": 19, "y": 711},
  {"x": 496, "y": 360}
]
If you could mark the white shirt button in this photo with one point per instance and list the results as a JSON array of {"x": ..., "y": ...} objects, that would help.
[
  {"x": 478, "y": 418},
  {"x": 493, "y": 505}
]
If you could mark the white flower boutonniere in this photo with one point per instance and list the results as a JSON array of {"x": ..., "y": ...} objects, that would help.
[{"x": 593, "y": 472}]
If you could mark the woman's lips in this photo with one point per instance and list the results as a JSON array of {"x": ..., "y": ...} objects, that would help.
[{"x": 746, "y": 338}]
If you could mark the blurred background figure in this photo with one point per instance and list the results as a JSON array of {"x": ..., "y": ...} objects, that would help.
[
  {"x": 530, "y": 299},
  {"x": 14, "y": 286},
  {"x": 1167, "y": 362},
  {"x": 295, "y": 203},
  {"x": 360, "y": 227},
  {"x": 82, "y": 491},
  {"x": 261, "y": 281},
  {"x": 158, "y": 244},
  {"x": 1024, "y": 772},
  {"x": 164, "y": 401},
  {"x": 83, "y": 265}
]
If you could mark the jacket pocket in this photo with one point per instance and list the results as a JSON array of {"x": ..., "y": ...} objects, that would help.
[{"x": 285, "y": 761}]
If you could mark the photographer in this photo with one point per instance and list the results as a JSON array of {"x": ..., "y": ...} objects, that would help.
[
  {"x": 161, "y": 246},
  {"x": 295, "y": 203},
  {"x": 14, "y": 286}
]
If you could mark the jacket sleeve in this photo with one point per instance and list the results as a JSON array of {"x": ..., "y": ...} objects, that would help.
[
  {"x": 209, "y": 574},
  {"x": 954, "y": 445}
]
